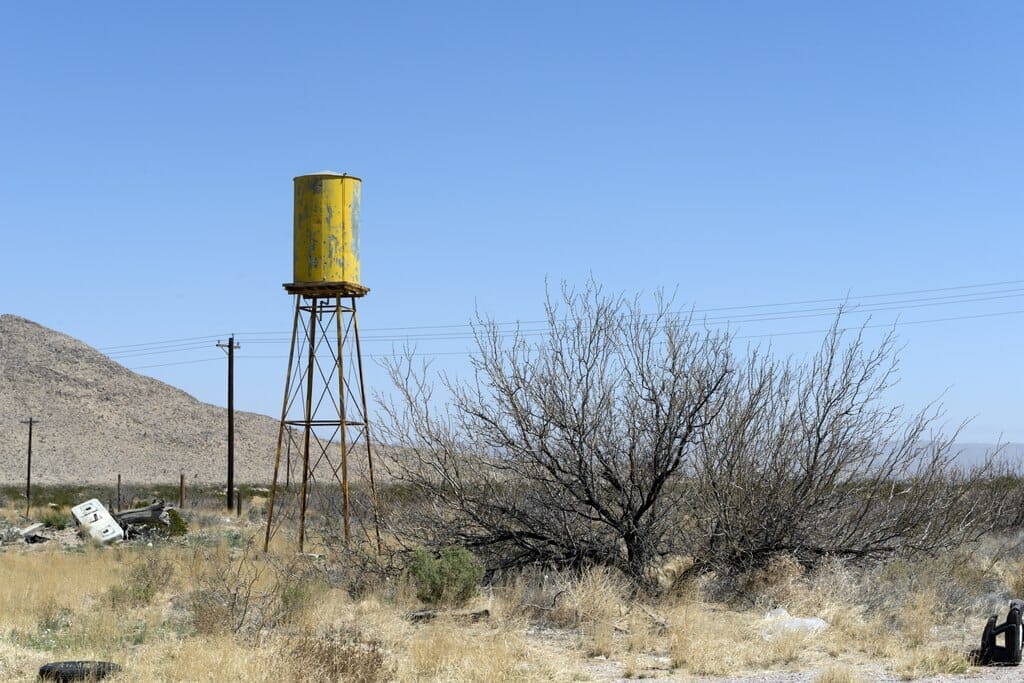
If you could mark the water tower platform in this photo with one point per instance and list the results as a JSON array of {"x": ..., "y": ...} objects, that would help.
[{"x": 326, "y": 290}]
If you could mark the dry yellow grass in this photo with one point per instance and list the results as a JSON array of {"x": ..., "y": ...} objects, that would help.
[
  {"x": 593, "y": 603},
  {"x": 707, "y": 643},
  {"x": 100, "y": 603},
  {"x": 837, "y": 673},
  {"x": 39, "y": 585},
  {"x": 442, "y": 650},
  {"x": 930, "y": 661},
  {"x": 211, "y": 658}
]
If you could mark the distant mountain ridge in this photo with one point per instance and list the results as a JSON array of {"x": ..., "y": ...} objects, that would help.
[{"x": 99, "y": 419}]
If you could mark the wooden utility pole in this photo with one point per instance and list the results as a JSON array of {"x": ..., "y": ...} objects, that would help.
[
  {"x": 28, "y": 473},
  {"x": 230, "y": 348}
]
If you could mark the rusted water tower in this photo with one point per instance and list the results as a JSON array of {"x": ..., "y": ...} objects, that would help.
[{"x": 325, "y": 394}]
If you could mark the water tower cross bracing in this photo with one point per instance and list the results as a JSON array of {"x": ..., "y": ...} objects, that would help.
[{"x": 324, "y": 413}]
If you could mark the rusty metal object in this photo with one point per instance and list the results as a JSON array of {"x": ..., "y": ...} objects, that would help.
[{"x": 152, "y": 514}]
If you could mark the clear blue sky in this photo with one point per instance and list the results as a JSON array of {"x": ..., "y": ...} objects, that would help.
[{"x": 743, "y": 153}]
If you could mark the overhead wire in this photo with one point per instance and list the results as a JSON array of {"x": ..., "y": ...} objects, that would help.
[
  {"x": 125, "y": 348},
  {"x": 417, "y": 353},
  {"x": 157, "y": 343},
  {"x": 759, "y": 313},
  {"x": 702, "y": 310},
  {"x": 170, "y": 349},
  {"x": 180, "y": 362},
  {"x": 532, "y": 330},
  {"x": 900, "y": 323}
]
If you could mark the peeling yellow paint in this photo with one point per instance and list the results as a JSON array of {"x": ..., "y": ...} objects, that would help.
[{"x": 326, "y": 233}]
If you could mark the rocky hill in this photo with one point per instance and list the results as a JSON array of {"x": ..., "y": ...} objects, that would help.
[{"x": 100, "y": 419}]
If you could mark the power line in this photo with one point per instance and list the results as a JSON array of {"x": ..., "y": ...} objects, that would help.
[
  {"x": 159, "y": 343},
  {"x": 727, "y": 320},
  {"x": 939, "y": 296},
  {"x": 758, "y": 336},
  {"x": 893, "y": 324},
  {"x": 752, "y": 317},
  {"x": 749, "y": 336},
  {"x": 865, "y": 296},
  {"x": 169, "y": 349},
  {"x": 180, "y": 362},
  {"x": 145, "y": 346},
  {"x": 947, "y": 299},
  {"x": 714, "y": 309}
]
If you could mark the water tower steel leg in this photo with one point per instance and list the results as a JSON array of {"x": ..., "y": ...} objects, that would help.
[
  {"x": 343, "y": 417},
  {"x": 311, "y": 338},
  {"x": 321, "y": 361},
  {"x": 366, "y": 426},
  {"x": 280, "y": 428}
]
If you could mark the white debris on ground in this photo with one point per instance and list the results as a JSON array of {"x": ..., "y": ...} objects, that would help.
[
  {"x": 779, "y": 621},
  {"x": 93, "y": 519}
]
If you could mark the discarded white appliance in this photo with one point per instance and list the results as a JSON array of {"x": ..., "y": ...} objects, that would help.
[{"x": 93, "y": 519}]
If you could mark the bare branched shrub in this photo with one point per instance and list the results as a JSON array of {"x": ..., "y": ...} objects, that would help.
[
  {"x": 360, "y": 568},
  {"x": 623, "y": 436},
  {"x": 1005, "y": 485},
  {"x": 240, "y": 593},
  {"x": 568, "y": 450},
  {"x": 954, "y": 583},
  {"x": 807, "y": 459}
]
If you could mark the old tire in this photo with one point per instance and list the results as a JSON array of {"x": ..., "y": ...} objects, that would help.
[{"x": 77, "y": 671}]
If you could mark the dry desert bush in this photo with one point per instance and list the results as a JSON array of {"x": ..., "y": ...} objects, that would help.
[{"x": 618, "y": 436}]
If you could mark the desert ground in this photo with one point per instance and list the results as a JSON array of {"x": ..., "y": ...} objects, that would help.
[{"x": 210, "y": 605}]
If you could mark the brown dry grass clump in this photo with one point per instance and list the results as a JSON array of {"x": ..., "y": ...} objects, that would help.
[{"x": 837, "y": 674}]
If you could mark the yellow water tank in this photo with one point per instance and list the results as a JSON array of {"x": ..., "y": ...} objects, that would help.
[{"x": 326, "y": 247}]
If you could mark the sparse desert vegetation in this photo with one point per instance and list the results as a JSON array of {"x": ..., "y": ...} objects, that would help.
[{"x": 210, "y": 605}]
